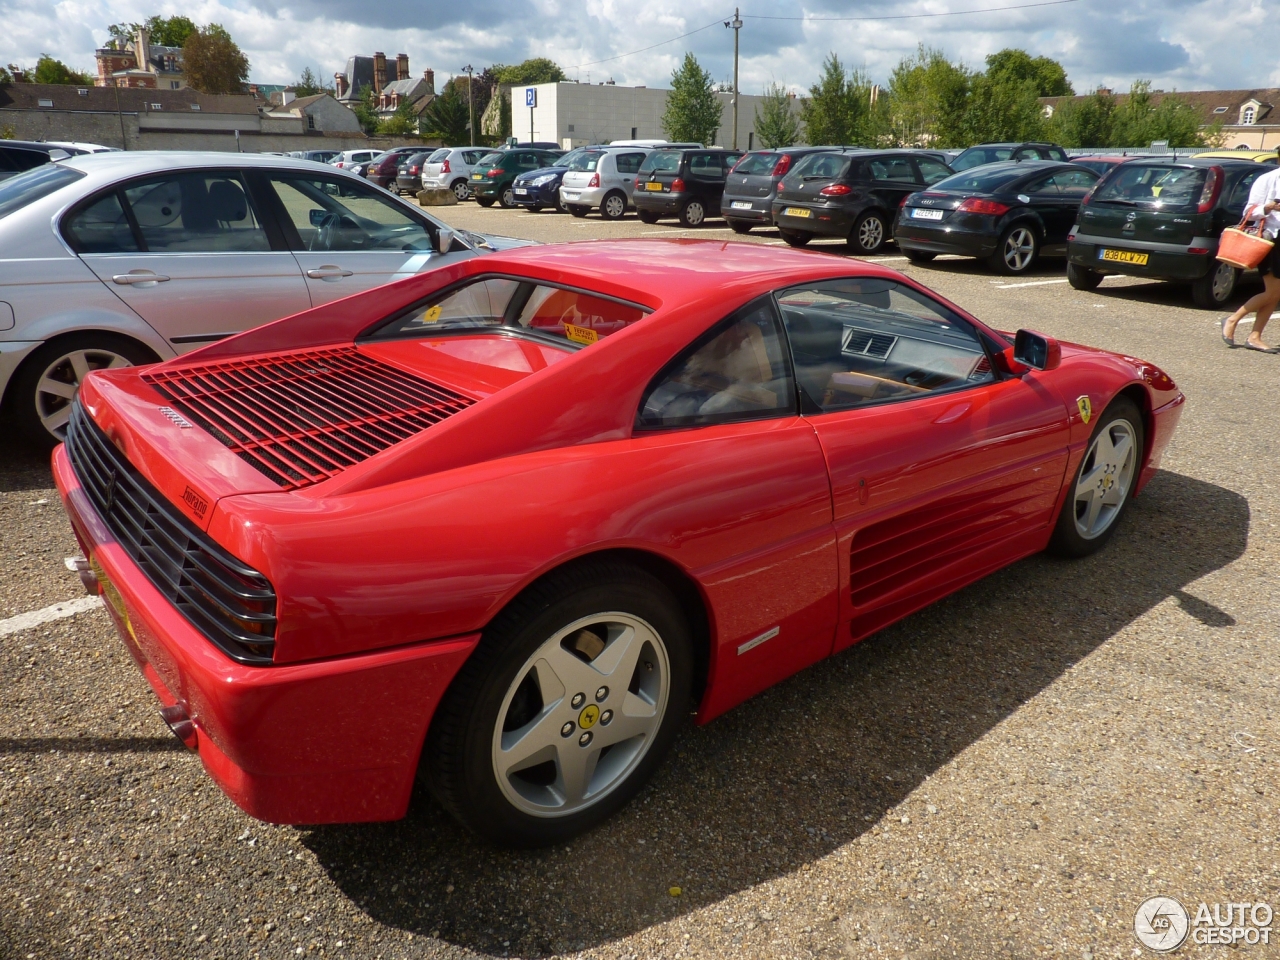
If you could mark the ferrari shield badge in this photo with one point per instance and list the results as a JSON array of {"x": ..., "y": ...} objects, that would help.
[{"x": 1086, "y": 407}]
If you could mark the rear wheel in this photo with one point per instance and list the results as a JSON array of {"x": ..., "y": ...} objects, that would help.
[
  {"x": 739, "y": 226},
  {"x": 869, "y": 234},
  {"x": 797, "y": 239},
  {"x": 459, "y": 188},
  {"x": 1215, "y": 288},
  {"x": 566, "y": 707},
  {"x": 647, "y": 216},
  {"x": 918, "y": 256},
  {"x": 485, "y": 201},
  {"x": 579, "y": 211},
  {"x": 1017, "y": 251},
  {"x": 613, "y": 206},
  {"x": 693, "y": 214},
  {"x": 1082, "y": 278}
]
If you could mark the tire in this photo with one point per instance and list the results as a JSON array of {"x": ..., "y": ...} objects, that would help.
[
  {"x": 647, "y": 217},
  {"x": 508, "y": 198},
  {"x": 535, "y": 208},
  {"x": 1082, "y": 278},
  {"x": 739, "y": 226},
  {"x": 693, "y": 213},
  {"x": 1017, "y": 251},
  {"x": 559, "y": 205},
  {"x": 796, "y": 239},
  {"x": 1215, "y": 288},
  {"x": 485, "y": 201},
  {"x": 614, "y": 205},
  {"x": 869, "y": 234},
  {"x": 1106, "y": 476},
  {"x": 918, "y": 256},
  {"x": 460, "y": 189},
  {"x": 578, "y": 211},
  {"x": 40, "y": 396},
  {"x": 504, "y": 695}
]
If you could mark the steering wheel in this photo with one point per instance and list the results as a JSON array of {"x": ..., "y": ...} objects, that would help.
[{"x": 326, "y": 232}]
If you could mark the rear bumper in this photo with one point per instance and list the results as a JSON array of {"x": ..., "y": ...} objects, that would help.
[
  {"x": 583, "y": 196},
  {"x": 760, "y": 211},
  {"x": 822, "y": 221},
  {"x": 664, "y": 204},
  {"x": 487, "y": 188},
  {"x": 408, "y": 183},
  {"x": 964, "y": 243},
  {"x": 331, "y": 741},
  {"x": 1164, "y": 261}
]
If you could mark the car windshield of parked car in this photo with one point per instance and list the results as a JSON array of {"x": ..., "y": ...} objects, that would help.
[
  {"x": 865, "y": 340},
  {"x": 573, "y": 316},
  {"x": 820, "y": 166},
  {"x": 1153, "y": 185},
  {"x": 17, "y": 192},
  {"x": 757, "y": 164},
  {"x": 662, "y": 161},
  {"x": 976, "y": 156},
  {"x": 980, "y": 181}
]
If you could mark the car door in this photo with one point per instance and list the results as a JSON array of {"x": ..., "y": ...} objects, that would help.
[
  {"x": 628, "y": 165},
  {"x": 191, "y": 253},
  {"x": 707, "y": 178},
  {"x": 940, "y": 469},
  {"x": 348, "y": 236},
  {"x": 748, "y": 489}
]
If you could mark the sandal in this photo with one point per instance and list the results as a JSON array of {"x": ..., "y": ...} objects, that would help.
[{"x": 1222, "y": 329}]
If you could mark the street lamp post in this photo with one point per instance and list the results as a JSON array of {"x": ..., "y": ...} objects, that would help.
[
  {"x": 736, "y": 24},
  {"x": 471, "y": 110}
]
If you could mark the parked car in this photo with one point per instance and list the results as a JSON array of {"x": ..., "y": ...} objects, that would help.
[
  {"x": 1161, "y": 219},
  {"x": 315, "y": 156},
  {"x": 493, "y": 178},
  {"x": 261, "y": 552},
  {"x": 852, "y": 195},
  {"x": 17, "y": 156},
  {"x": 350, "y": 158},
  {"x": 1009, "y": 213},
  {"x": 409, "y": 173},
  {"x": 143, "y": 256},
  {"x": 385, "y": 169},
  {"x": 682, "y": 183},
  {"x": 538, "y": 189},
  {"x": 1256, "y": 156},
  {"x": 996, "y": 152},
  {"x": 1101, "y": 165},
  {"x": 602, "y": 177},
  {"x": 752, "y": 185},
  {"x": 450, "y": 168}
]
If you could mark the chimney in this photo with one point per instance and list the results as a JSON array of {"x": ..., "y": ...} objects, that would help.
[
  {"x": 1104, "y": 91},
  {"x": 142, "y": 49},
  {"x": 340, "y": 84},
  {"x": 430, "y": 77},
  {"x": 402, "y": 66},
  {"x": 379, "y": 71}
]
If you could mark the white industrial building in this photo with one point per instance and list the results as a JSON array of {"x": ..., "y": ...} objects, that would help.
[{"x": 574, "y": 114}]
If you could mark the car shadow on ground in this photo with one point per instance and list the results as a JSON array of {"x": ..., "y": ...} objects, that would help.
[{"x": 806, "y": 766}]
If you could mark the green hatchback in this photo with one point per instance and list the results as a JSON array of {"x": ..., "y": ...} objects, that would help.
[{"x": 492, "y": 177}]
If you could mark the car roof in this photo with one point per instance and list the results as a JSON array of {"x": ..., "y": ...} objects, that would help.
[
  {"x": 1197, "y": 161},
  {"x": 1018, "y": 143},
  {"x": 1251, "y": 156},
  {"x": 123, "y": 163}
]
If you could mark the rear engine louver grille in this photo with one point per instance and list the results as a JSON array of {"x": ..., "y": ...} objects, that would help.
[{"x": 303, "y": 417}]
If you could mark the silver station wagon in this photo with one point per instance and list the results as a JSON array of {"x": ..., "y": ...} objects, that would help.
[{"x": 114, "y": 259}]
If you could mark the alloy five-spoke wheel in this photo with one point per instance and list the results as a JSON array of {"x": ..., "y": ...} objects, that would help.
[{"x": 1017, "y": 252}]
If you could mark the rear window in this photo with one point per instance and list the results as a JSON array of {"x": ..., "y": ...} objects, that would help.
[
  {"x": 662, "y": 161},
  {"x": 572, "y": 316},
  {"x": 758, "y": 164},
  {"x": 439, "y": 156},
  {"x": 1153, "y": 185},
  {"x": 583, "y": 162},
  {"x": 820, "y": 166},
  {"x": 17, "y": 192},
  {"x": 1097, "y": 166},
  {"x": 983, "y": 181},
  {"x": 976, "y": 156},
  {"x": 491, "y": 159}
]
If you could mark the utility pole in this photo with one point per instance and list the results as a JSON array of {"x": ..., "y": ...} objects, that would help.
[
  {"x": 471, "y": 110},
  {"x": 736, "y": 24}
]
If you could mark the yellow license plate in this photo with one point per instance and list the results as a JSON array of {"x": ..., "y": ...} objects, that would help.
[
  {"x": 1124, "y": 256},
  {"x": 796, "y": 212},
  {"x": 653, "y": 187},
  {"x": 477, "y": 176}
]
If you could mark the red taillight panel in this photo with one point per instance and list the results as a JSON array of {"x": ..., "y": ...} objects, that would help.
[
  {"x": 594, "y": 181},
  {"x": 836, "y": 190},
  {"x": 782, "y": 166},
  {"x": 494, "y": 172},
  {"x": 677, "y": 185},
  {"x": 991, "y": 208},
  {"x": 1212, "y": 188},
  {"x": 444, "y": 167}
]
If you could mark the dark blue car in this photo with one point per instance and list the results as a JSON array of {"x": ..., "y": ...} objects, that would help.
[{"x": 538, "y": 188}]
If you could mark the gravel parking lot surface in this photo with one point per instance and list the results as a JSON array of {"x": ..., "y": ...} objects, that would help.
[{"x": 1007, "y": 774}]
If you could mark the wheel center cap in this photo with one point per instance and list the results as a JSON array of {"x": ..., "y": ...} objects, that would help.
[{"x": 588, "y": 717}]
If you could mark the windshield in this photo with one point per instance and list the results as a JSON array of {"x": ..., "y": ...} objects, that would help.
[
  {"x": 581, "y": 161},
  {"x": 661, "y": 161},
  {"x": 25, "y": 188},
  {"x": 758, "y": 164},
  {"x": 1156, "y": 186},
  {"x": 820, "y": 166},
  {"x": 983, "y": 181},
  {"x": 976, "y": 156}
]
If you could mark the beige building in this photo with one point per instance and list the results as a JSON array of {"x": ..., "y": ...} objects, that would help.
[{"x": 1250, "y": 119}]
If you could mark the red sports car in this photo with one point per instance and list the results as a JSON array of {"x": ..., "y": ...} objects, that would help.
[{"x": 500, "y": 525}]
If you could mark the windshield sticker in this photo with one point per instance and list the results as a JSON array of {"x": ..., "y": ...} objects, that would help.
[
  {"x": 580, "y": 334},
  {"x": 432, "y": 315}
]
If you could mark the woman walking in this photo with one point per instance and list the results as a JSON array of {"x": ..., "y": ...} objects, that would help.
[{"x": 1264, "y": 204}]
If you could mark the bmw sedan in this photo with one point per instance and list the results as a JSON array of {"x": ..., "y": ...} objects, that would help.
[{"x": 113, "y": 259}]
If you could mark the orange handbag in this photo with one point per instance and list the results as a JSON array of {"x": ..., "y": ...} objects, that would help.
[{"x": 1243, "y": 249}]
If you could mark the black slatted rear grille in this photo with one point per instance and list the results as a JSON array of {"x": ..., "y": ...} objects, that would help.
[
  {"x": 232, "y": 604},
  {"x": 300, "y": 418}
]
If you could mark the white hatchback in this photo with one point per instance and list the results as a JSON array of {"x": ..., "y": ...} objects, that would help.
[
  {"x": 601, "y": 177},
  {"x": 450, "y": 168},
  {"x": 113, "y": 259}
]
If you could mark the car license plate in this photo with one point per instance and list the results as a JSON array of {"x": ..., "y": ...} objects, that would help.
[
  {"x": 477, "y": 176},
  {"x": 1123, "y": 256},
  {"x": 741, "y": 204},
  {"x": 796, "y": 212},
  {"x": 653, "y": 187},
  {"x": 520, "y": 191},
  {"x": 919, "y": 214},
  {"x": 571, "y": 196}
]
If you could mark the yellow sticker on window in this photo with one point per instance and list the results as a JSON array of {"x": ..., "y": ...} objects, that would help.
[
  {"x": 432, "y": 315},
  {"x": 580, "y": 334}
]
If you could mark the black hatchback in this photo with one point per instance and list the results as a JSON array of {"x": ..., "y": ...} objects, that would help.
[
  {"x": 753, "y": 184},
  {"x": 682, "y": 183},
  {"x": 852, "y": 195},
  {"x": 1009, "y": 213},
  {"x": 1161, "y": 219}
]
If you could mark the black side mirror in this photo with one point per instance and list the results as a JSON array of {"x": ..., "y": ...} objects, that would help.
[{"x": 1036, "y": 350}]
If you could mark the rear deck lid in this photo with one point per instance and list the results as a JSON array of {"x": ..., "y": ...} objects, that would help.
[{"x": 1148, "y": 202}]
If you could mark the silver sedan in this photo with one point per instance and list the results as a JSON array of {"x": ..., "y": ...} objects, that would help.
[{"x": 122, "y": 258}]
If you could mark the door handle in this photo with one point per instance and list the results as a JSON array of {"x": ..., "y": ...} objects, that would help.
[
  {"x": 328, "y": 272},
  {"x": 138, "y": 276}
]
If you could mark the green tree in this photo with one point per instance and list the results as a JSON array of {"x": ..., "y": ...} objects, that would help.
[
  {"x": 928, "y": 98},
  {"x": 213, "y": 63},
  {"x": 531, "y": 71},
  {"x": 49, "y": 70},
  {"x": 1085, "y": 122},
  {"x": 446, "y": 117},
  {"x": 839, "y": 110},
  {"x": 308, "y": 84},
  {"x": 5, "y": 76},
  {"x": 165, "y": 31},
  {"x": 693, "y": 110},
  {"x": 776, "y": 124},
  {"x": 1139, "y": 120},
  {"x": 1017, "y": 66},
  {"x": 1002, "y": 108},
  {"x": 402, "y": 123},
  {"x": 366, "y": 111}
]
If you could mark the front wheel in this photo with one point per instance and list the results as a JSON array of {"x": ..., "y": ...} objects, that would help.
[
  {"x": 508, "y": 199},
  {"x": 1215, "y": 288},
  {"x": 1103, "y": 484},
  {"x": 566, "y": 707},
  {"x": 693, "y": 214},
  {"x": 869, "y": 234},
  {"x": 647, "y": 216},
  {"x": 796, "y": 239},
  {"x": 739, "y": 226},
  {"x": 1017, "y": 251},
  {"x": 485, "y": 201},
  {"x": 578, "y": 210},
  {"x": 918, "y": 256},
  {"x": 1082, "y": 278}
]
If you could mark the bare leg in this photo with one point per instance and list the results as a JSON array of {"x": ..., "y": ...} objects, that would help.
[{"x": 1261, "y": 303}]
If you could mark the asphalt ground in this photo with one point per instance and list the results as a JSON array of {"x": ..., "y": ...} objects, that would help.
[{"x": 1007, "y": 774}]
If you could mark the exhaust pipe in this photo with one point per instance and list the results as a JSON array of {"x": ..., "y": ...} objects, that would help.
[{"x": 177, "y": 720}]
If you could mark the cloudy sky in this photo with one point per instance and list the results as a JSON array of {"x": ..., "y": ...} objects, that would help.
[{"x": 1178, "y": 44}]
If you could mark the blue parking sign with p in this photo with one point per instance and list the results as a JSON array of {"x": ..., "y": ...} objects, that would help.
[{"x": 530, "y": 96}]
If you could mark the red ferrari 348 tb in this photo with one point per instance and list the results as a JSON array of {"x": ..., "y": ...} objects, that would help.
[{"x": 499, "y": 526}]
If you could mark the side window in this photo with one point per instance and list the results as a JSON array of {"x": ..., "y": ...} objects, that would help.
[
  {"x": 342, "y": 215},
  {"x": 21, "y": 160},
  {"x": 1027, "y": 153},
  {"x": 1240, "y": 195},
  {"x": 1043, "y": 187},
  {"x": 472, "y": 157},
  {"x": 931, "y": 171},
  {"x": 896, "y": 169},
  {"x": 101, "y": 227},
  {"x": 860, "y": 341},
  {"x": 704, "y": 165},
  {"x": 1075, "y": 183},
  {"x": 629, "y": 162},
  {"x": 196, "y": 213},
  {"x": 528, "y": 161},
  {"x": 736, "y": 372}
]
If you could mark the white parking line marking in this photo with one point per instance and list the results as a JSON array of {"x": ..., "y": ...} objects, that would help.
[
  {"x": 68, "y": 608},
  {"x": 1033, "y": 283}
]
